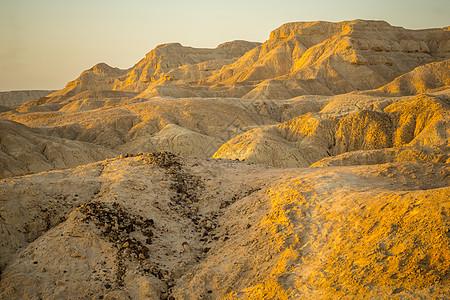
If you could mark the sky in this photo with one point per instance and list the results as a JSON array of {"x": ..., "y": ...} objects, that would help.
[{"x": 46, "y": 43}]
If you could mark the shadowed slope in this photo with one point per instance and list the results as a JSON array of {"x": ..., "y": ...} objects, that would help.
[
  {"x": 18, "y": 97},
  {"x": 25, "y": 150},
  {"x": 420, "y": 80}
]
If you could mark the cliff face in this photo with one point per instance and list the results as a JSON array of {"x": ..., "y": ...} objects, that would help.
[
  {"x": 174, "y": 62},
  {"x": 335, "y": 58},
  {"x": 300, "y": 58}
]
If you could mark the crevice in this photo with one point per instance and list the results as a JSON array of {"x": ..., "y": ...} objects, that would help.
[{"x": 186, "y": 188}]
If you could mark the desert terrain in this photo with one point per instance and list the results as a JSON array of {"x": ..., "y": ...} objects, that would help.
[{"x": 314, "y": 165}]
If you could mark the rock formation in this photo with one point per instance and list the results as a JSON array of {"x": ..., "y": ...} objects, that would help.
[
  {"x": 314, "y": 165},
  {"x": 174, "y": 62},
  {"x": 334, "y": 58},
  {"x": 302, "y": 58},
  {"x": 421, "y": 120},
  {"x": 98, "y": 78}
]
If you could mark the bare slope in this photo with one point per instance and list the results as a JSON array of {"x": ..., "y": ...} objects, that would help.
[
  {"x": 18, "y": 97},
  {"x": 159, "y": 226},
  {"x": 348, "y": 123},
  {"x": 25, "y": 150},
  {"x": 116, "y": 121},
  {"x": 420, "y": 80},
  {"x": 288, "y": 133}
]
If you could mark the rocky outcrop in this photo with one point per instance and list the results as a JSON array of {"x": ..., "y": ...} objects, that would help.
[
  {"x": 334, "y": 58},
  {"x": 302, "y": 58},
  {"x": 180, "y": 64},
  {"x": 98, "y": 78}
]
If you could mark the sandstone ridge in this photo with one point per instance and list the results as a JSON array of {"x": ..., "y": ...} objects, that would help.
[{"x": 299, "y": 58}]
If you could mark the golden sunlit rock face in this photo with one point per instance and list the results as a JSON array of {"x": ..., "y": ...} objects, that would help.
[{"x": 315, "y": 165}]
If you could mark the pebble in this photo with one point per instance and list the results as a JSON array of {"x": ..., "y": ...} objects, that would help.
[
  {"x": 186, "y": 247},
  {"x": 116, "y": 225}
]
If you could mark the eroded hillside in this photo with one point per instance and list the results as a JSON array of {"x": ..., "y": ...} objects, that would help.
[
  {"x": 18, "y": 97},
  {"x": 284, "y": 133},
  {"x": 315, "y": 165},
  {"x": 301, "y": 58},
  {"x": 158, "y": 226},
  {"x": 419, "y": 121}
]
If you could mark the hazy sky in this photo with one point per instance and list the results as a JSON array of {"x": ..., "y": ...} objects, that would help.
[{"x": 46, "y": 43}]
